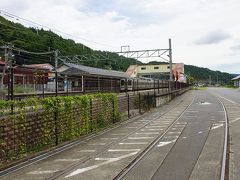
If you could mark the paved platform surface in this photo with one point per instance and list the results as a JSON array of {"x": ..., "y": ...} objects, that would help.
[{"x": 191, "y": 148}]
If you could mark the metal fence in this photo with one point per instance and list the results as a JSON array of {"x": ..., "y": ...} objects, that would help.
[{"x": 33, "y": 125}]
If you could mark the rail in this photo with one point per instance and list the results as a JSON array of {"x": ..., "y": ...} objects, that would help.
[{"x": 135, "y": 161}]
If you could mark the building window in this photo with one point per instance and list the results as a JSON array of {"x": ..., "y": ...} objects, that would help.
[
  {"x": 168, "y": 67},
  {"x": 156, "y": 67},
  {"x": 143, "y": 68}
]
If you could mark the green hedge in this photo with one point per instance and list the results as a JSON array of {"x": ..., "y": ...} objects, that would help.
[{"x": 61, "y": 119}]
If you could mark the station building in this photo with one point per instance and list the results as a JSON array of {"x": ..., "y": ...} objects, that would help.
[{"x": 76, "y": 77}]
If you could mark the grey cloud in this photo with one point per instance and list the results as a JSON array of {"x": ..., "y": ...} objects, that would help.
[
  {"x": 235, "y": 50},
  {"x": 213, "y": 37},
  {"x": 236, "y": 47},
  {"x": 228, "y": 67}
]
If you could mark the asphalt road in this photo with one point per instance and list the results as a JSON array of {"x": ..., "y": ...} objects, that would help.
[{"x": 189, "y": 136}]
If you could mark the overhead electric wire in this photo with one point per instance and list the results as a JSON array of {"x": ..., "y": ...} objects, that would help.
[
  {"x": 16, "y": 53},
  {"x": 30, "y": 52},
  {"x": 56, "y": 30},
  {"x": 43, "y": 55},
  {"x": 32, "y": 56},
  {"x": 29, "y": 56}
]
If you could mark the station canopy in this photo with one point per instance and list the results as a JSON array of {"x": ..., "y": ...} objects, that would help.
[{"x": 79, "y": 70}]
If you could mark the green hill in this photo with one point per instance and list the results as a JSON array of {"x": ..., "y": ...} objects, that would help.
[
  {"x": 31, "y": 39},
  {"x": 200, "y": 74}
]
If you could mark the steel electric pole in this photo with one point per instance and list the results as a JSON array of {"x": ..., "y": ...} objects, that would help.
[
  {"x": 56, "y": 73},
  {"x": 170, "y": 60}
]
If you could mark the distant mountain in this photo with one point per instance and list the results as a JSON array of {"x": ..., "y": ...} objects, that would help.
[
  {"x": 200, "y": 74},
  {"x": 234, "y": 75},
  {"x": 36, "y": 40}
]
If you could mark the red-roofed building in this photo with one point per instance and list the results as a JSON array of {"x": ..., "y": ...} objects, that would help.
[{"x": 28, "y": 74}]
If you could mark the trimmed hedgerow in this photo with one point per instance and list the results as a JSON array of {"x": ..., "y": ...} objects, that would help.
[{"x": 35, "y": 124}]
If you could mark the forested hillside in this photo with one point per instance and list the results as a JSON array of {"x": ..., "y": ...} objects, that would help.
[
  {"x": 40, "y": 40},
  {"x": 200, "y": 74}
]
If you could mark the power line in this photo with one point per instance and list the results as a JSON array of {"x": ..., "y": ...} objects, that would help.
[
  {"x": 27, "y": 54},
  {"x": 32, "y": 55},
  {"x": 56, "y": 30},
  {"x": 30, "y": 52}
]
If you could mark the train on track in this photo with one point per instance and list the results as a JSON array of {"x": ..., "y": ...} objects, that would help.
[{"x": 142, "y": 83}]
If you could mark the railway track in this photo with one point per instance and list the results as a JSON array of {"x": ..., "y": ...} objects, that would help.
[
  {"x": 231, "y": 108},
  {"x": 125, "y": 171},
  {"x": 224, "y": 160},
  {"x": 66, "y": 147}
]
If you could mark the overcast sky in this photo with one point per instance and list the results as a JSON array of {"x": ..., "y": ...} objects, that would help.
[{"x": 204, "y": 32}]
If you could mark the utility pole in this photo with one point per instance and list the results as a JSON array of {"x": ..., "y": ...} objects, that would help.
[
  {"x": 56, "y": 73},
  {"x": 170, "y": 60},
  {"x": 4, "y": 68},
  {"x": 9, "y": 60},
  {"x": 210, "y": 80},
  {"x": 125, "y": 48},
  {"x": 189, "y": 79},
  {"x": 11, "y": 70}
]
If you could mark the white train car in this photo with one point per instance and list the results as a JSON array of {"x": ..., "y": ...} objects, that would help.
[{"x": 134, "y": 84}]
